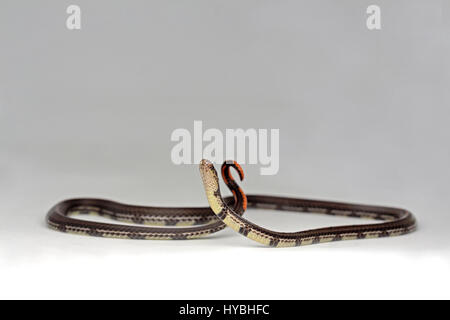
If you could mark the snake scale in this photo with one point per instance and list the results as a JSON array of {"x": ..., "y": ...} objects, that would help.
[{"x": 187, "y": 223}]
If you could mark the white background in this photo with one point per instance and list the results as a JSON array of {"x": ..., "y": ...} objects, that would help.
[{"x": 363, "y": 117}]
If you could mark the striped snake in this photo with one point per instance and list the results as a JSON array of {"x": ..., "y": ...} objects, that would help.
[
  {"x": 188, "y": 223},
  {"x": 167, "y": 223}
]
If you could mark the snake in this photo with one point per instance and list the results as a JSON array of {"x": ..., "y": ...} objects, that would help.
[
  {"x": 396, "y": 221},
  {"x": 181, "y": 223},
  {"x": 162, "y": 223}
]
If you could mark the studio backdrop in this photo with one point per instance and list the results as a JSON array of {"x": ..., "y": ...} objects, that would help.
[{"x": 344, "y": 101}]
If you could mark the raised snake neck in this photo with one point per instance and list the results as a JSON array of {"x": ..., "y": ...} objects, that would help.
[{"x": 187, "y": 223}]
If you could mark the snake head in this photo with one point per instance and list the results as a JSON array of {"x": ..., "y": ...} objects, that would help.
[
  {"x": 209, "y": 176},
  {"x": 211, "y": 185}
]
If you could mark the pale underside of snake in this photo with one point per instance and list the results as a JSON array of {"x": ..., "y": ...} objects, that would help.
[{"x": 187, "y": 223}]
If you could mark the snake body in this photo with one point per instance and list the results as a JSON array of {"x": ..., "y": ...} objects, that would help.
[
  {"x": 179, "y": 223},
  {"x": 398, "y": 221},
  {"x": 175, "y": 223}
]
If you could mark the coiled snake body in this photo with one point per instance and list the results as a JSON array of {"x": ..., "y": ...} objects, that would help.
[{"x": 189, "y": 223}]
